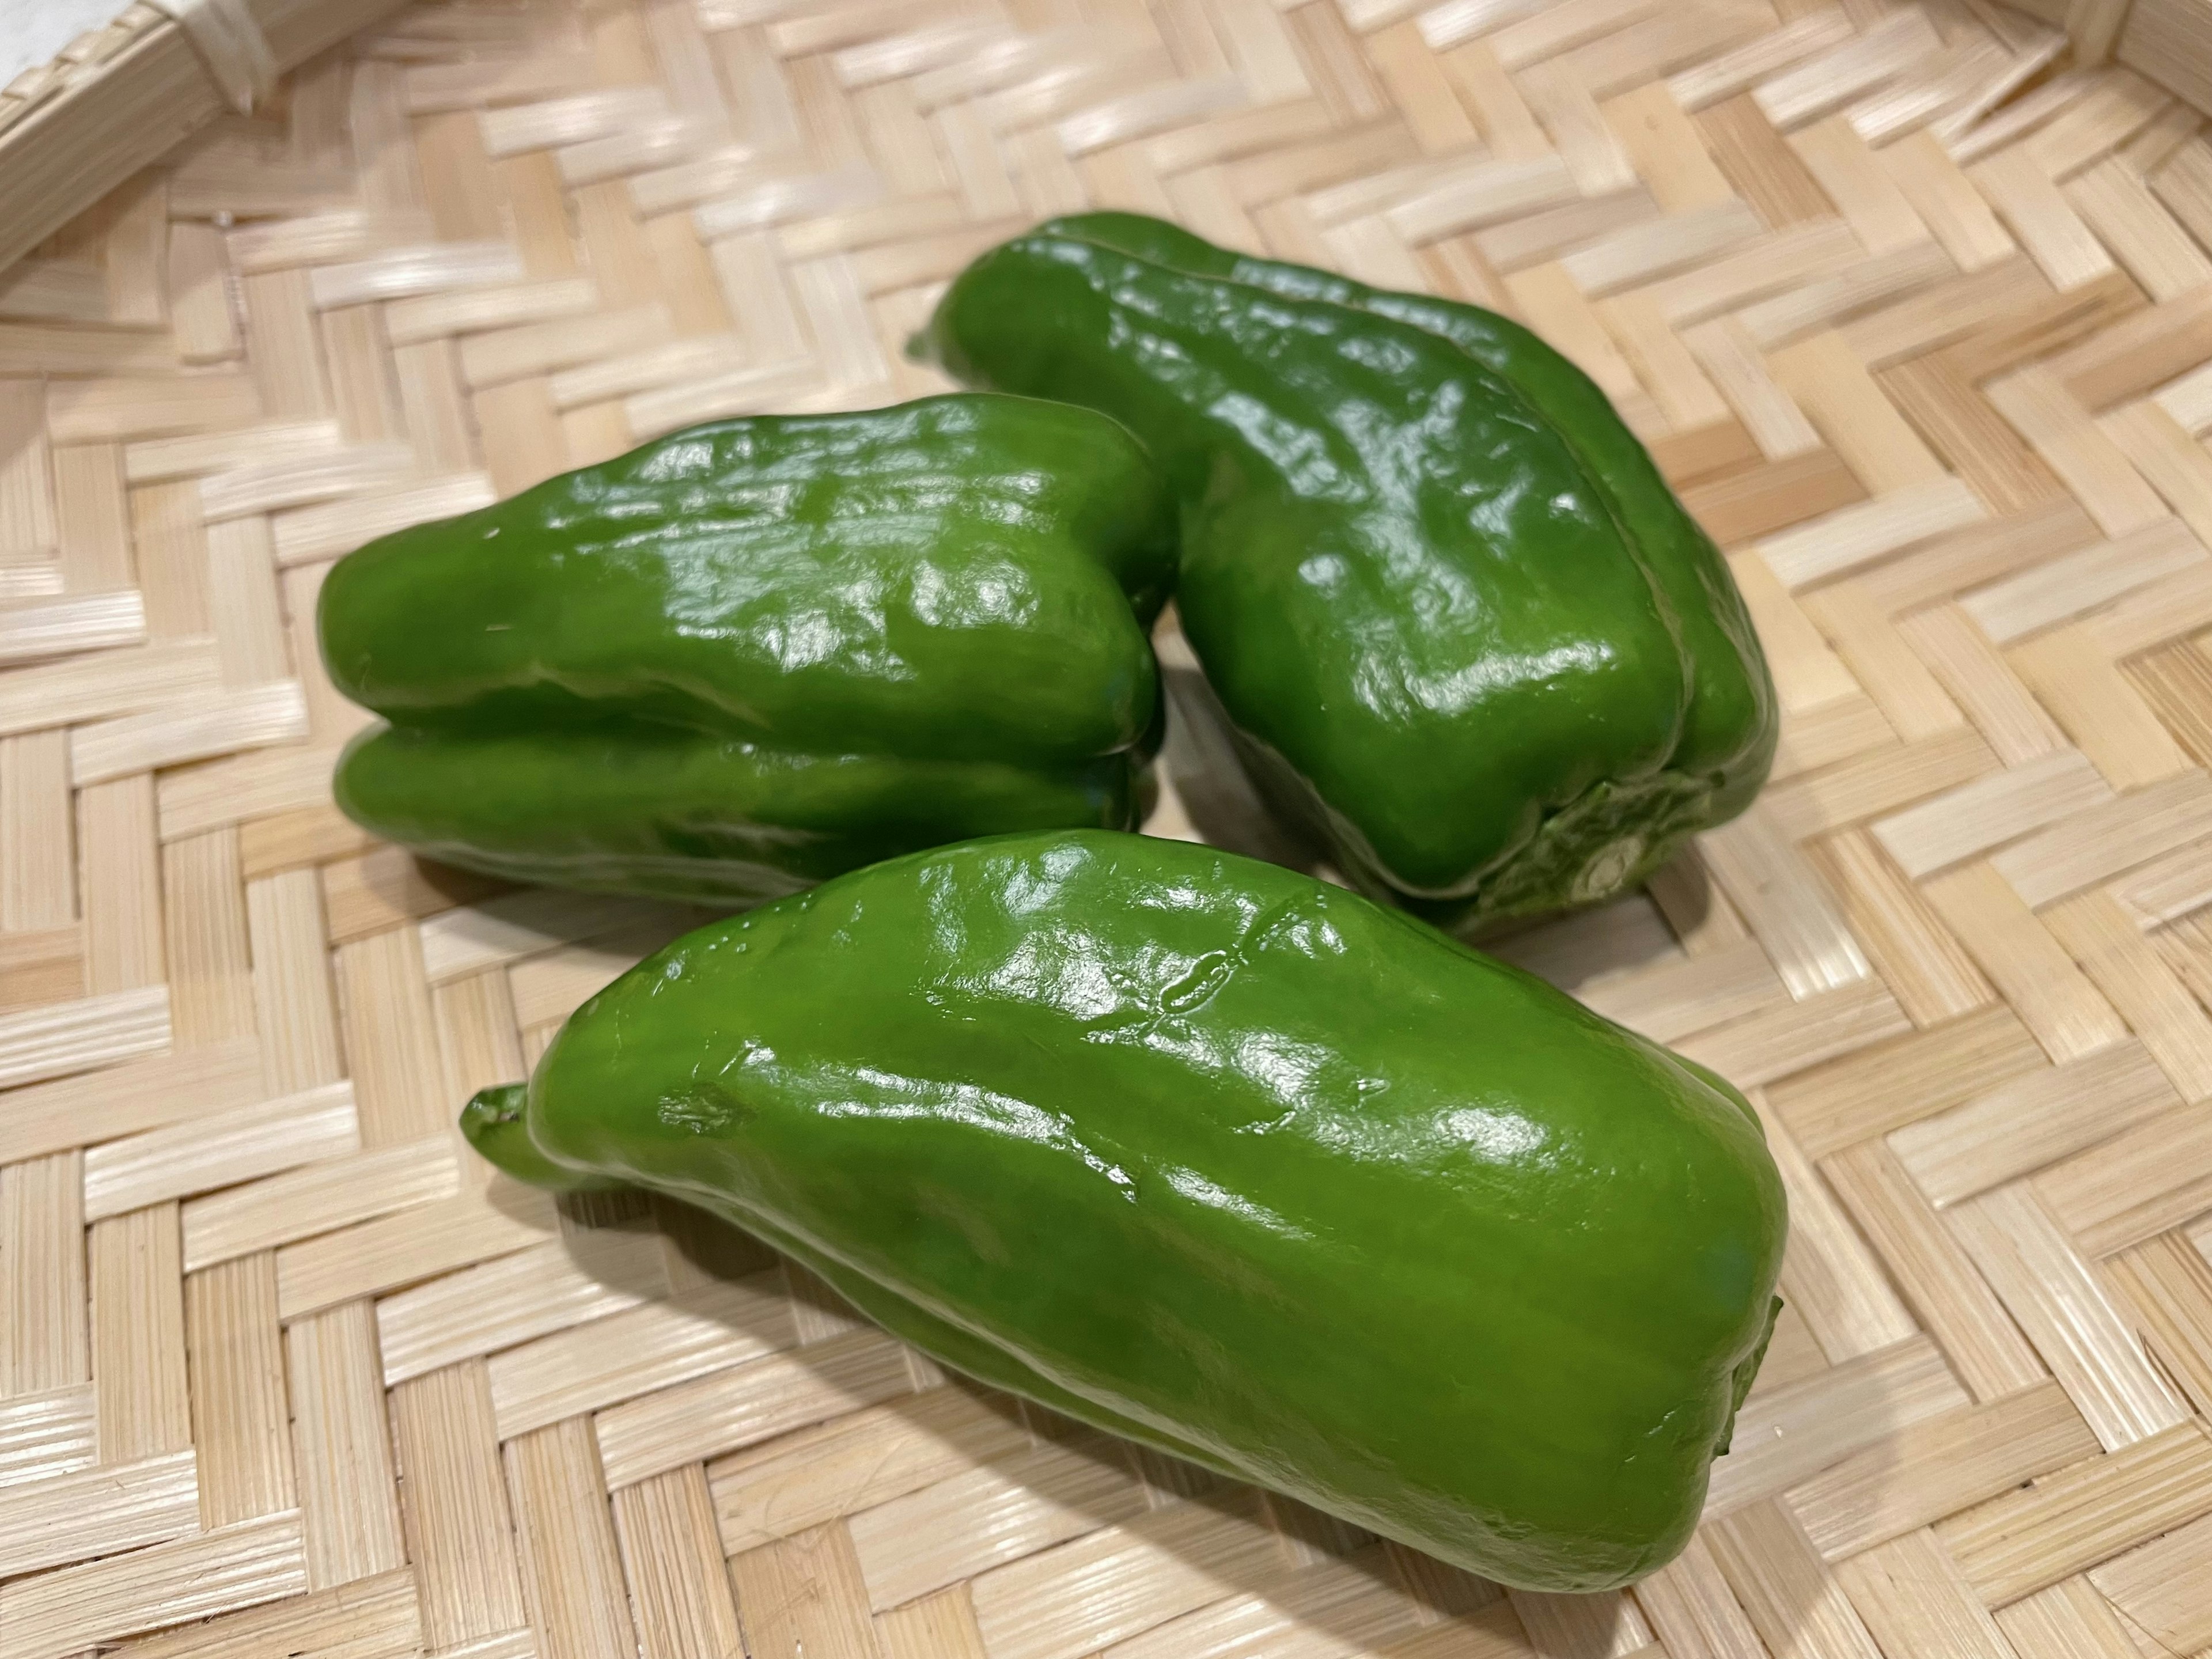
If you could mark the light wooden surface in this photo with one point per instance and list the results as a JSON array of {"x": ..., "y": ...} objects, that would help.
[{"x": 1932, "y": 361}]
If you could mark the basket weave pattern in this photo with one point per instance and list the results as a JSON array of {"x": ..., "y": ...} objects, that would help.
[{"x": 1919, "y": 330}]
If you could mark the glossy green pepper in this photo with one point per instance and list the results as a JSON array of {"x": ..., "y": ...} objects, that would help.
[
  {"x": 755, "y": 654},
  {"x": 1212, "y": 1154},
  {"x": 1460, "y": 625}
]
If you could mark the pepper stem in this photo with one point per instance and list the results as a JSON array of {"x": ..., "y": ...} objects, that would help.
[{"x": 494, "y": 1123}]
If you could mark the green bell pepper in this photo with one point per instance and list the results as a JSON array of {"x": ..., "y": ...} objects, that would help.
[
  {"x": 753, "y": 656},
  {"x": 1212, "y": 1154},
  {"x": 1460, "y": 626}
]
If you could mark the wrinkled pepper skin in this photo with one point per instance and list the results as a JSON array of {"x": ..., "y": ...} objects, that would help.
[
  {"x": 1209, "y": 1153},
  {"x": 1460, "y": 626},
  {"x": 753, "y": 656}
]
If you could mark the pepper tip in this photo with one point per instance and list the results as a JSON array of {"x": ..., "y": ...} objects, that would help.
[{"x": 495, "y": 1123}]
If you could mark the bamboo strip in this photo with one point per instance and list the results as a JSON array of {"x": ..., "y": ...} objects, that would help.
[
  {"x": 1784, "y": 1587},
  {"x": 571, "y": 1574},
  {"x": 96, "y": 621},
  {"x": 1691, "y": 1607},
  {"x": 48, "y": 1433},
  {"x": 2024, "y": 962},
  {"x": 2168, "y": 1286},
  {"x": 1948, "y": 1296},
  {"x": 64, "y": 1038},
  {"x": 221, "y": 794},
  {"x": 221, "y": 1150},
  {"x": 171, "y": 1584},
  {"x": 697, "y": 1332},
  {"x": 342, "y": 1448},
  {"x": 458, "y": 1535},
  {"x": 240, "y": 1404},
  {"x": 2017, "y": 1129},
  {"x": 1828, "y": 1273},
  {"x": 747, "y": 1404},
  {"x": 1765, "y": 1047},
  {"x": 395, "y": 1249},
  {"x": 374, "y": 1620},
  {"x": 1792, "y": 1432},
  {"x": 194, "y": 730},
  {"x": 828, "y": 1473},
  {"x": 913, "y": 1546},
  {"x": 2099, "y": 842},
  {"x": 49, "y": 1522},
  {"x": 322, "y": 1196},
  {"x": 2068, "y": 1619},
  {"x": 1914, "y": 1601},
  {"x": 549, "y": 1288},
  {"x": 670, "y": 1553},
  {"x": 1930, "y": 973},
  {"x": 1937, "y": 1467},
  {"x": 2029, "y": 1539},
  {"x": 2067, "y": 1313},
  {"x": 136, "y": 1278}
]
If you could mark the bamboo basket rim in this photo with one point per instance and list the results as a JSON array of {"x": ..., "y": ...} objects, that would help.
[
  {"x": 76, "y": 68},
  {"x": 57, "y": 111}
]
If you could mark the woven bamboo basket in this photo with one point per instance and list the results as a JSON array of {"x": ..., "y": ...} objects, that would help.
[{"x": 1912, "y": 301}]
